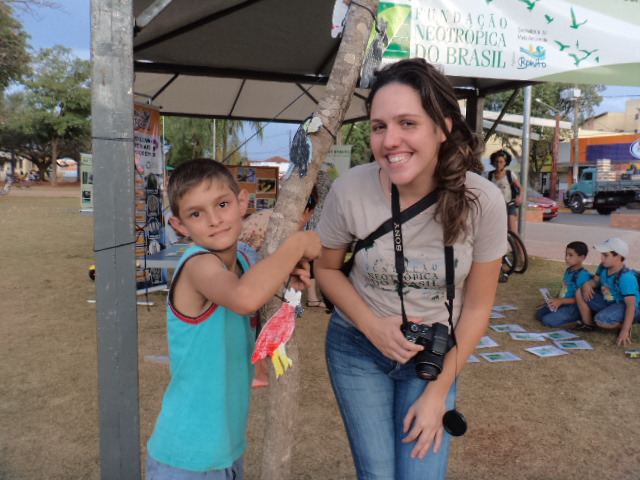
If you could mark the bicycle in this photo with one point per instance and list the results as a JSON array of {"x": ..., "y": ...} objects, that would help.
[{"x": 516, "y": 260}]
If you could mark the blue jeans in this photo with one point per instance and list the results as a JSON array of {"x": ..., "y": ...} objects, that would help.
[
  {"x": 161, "y": 471},
  {"x": 374, "y": 394},
  {"x": 565, "y": 315},
  {"x": 609, "y": 314}
]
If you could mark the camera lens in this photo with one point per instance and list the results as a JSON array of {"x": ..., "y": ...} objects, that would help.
[{"x": 427, "y": 371}]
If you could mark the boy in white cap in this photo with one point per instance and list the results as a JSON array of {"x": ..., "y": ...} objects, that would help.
[{"x": 612, "y": 293}]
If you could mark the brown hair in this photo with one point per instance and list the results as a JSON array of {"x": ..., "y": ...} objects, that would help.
[
  {"x": 459, "y": 153},
  {"x": 191, "y": 174}
]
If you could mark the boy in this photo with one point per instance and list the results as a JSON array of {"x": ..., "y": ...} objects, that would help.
[
  {"x": 200, "y": 430},
  {"x": 563, "y": 311},
  {"x": 612, "y": 293}
]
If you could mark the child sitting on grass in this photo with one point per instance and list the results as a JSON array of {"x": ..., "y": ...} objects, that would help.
[
  {"x": 612, "y": 293},
  {"x": 200, "y": 432},
  {"x": 563, "y": 311}
]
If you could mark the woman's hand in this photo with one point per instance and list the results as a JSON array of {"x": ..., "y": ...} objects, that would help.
[
  {"x": 386, "y": 335},
  {"x": 423, "y": 424},
  {"x": 518, "y": 200}
]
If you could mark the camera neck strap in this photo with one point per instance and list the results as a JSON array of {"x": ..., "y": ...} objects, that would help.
[{"x": 399, "y": 260}]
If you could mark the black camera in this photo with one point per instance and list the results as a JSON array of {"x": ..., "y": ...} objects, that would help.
[{"x": 435, "y": 340}]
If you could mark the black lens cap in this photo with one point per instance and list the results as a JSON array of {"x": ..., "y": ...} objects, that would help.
[{"x": 454, "y": 423}]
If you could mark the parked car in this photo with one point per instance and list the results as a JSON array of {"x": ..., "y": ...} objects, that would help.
[{"x": 536, "y": 201}]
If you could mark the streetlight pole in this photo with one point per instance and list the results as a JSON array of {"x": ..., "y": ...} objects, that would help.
[
  {"x": 554, "y": 164},
  {"x": 576, "y": 143},
  {"x": 574, "y": 95},
  {"x": 555, "y": 152}
]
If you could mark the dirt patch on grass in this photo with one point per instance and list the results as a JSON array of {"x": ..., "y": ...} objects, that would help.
[{"x": 568, "y": 417}]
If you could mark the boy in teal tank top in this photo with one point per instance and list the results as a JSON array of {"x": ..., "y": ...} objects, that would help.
[{"x": 200, "y": 432}]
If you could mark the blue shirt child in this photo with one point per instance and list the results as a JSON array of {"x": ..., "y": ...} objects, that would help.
[{"x": 565, "y": 314}]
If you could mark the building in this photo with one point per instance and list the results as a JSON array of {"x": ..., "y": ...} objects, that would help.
[{"x": 617, "y": 122}]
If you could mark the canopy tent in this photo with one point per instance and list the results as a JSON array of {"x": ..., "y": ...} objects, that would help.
[{"x": 269, "y": 60}]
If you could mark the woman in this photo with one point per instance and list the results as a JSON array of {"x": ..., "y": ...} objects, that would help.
[
  {"x": 420, "y": 143},
  {"x": 508, "y": 184}
]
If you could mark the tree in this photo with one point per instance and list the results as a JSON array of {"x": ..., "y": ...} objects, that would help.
[
  {"x": 357, "y": 134},
  {"x": 549, "y": 93},
  {"x": 331, "y": 110},
  {"x": 190, "y": 137},
  {"x": 51, "y": 116},
  {"x": 14, "y": 54}
]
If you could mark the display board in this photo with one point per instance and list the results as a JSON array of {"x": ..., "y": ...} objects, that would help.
[
  {"x": 86, "y": 182},
  {"x": 149, "y": 183},
  {"x": 262, "y": 183}
]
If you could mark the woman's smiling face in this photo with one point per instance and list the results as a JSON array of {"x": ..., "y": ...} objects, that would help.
[{"x": 405, "y": 141}]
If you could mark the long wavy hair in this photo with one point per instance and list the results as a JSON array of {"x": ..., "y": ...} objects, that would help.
[{"x": 459, "y": 153}]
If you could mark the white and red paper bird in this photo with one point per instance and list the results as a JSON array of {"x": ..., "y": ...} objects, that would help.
[{"x": 277, "y": 332}]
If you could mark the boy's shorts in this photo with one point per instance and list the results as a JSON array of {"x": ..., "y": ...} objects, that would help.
[
  {"x": 162, "y": 471},
  {"x": 565, "y": 315},
  {"x": 609, "y": 313}
]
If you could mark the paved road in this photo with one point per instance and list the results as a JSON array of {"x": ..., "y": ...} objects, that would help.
[{"x": 548, "y": 239}]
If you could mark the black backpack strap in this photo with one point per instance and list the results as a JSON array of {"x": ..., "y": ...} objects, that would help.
[{"x": 575, "y": 275}]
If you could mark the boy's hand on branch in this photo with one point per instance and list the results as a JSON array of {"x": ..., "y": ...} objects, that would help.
[
  {"x": 301, "y": 276},
  {"x": 309, "y": 243}
]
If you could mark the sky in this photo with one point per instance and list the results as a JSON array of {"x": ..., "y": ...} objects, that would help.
[{"x": 70, "y": 25}]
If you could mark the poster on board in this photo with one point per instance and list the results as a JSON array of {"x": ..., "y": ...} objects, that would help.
[
  {"x": 149, "y": 191},
  {"x": 86, "y": 182},
  {"x": 262, "y": 183}
]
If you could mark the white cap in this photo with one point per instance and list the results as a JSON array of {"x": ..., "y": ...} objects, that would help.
[{"x": 614, "y": 245}]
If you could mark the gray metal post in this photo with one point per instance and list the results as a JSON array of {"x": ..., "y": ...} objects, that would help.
[
  {"x": 113, "y": 187},
  {"x": 524, "y": 162},
  {"x": 576, "y": 137}
]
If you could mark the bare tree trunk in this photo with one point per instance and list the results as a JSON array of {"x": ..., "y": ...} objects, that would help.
[
  {"x": 283, "y": 392},
  {"x": 54, "y": 161}
]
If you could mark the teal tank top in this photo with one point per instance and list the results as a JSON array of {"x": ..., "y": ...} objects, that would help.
[{"x": 205, "y": 409}]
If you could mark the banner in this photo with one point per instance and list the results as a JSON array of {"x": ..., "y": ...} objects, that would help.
[
  {"x": 86, "y": 181},
  {"x": 150, "y": 182},
  {"x": 518, "y": 39}
]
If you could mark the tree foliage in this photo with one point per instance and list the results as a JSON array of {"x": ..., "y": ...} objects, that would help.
[
  {"x": 358, "y": 135},
  {"x": 14, "y": 53},
  {"x": 189, "y": 138},
  {"x": 549, "y": 93},
  {"x": 50, "y": 117}
]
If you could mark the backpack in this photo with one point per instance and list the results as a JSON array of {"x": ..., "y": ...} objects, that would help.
[
  {"x": 515, "y": 191},
  {"x": 626, "y": 269}
]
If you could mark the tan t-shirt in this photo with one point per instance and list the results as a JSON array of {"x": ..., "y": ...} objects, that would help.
[{"x": 357, "y": 205}]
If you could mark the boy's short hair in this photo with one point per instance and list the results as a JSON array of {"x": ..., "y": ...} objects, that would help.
[
  {"x": 191, "y": 174},
  {"x": 580, "y": 248}
]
